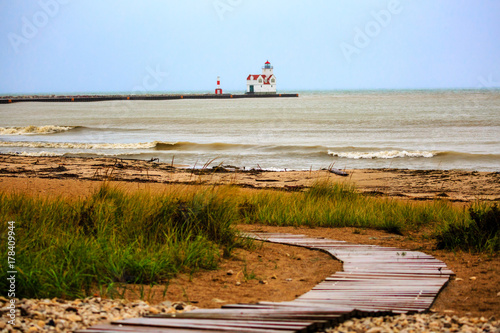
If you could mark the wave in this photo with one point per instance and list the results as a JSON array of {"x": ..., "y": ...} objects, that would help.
[
  {"x": 39, "y": 153},
  {"x": 33, "y": 130},
  {"x": 219, "y": 146},
  {"x": 454, "y": 155},
  {"x": 174, "y": 146},
  {"x": 253, "y": 149},
  {"x": 386, "y": 154},
  {"x": 70, "y": 145},
  {"x": 157, "y": 145},
  {"x": 197, "y": 146}
]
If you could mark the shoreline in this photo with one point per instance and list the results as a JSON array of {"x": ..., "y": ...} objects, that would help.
[{"x": 451, "y": 185}]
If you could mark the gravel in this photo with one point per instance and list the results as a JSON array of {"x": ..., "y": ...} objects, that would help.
[
  {"x": 57, "y": 315},
  {"x": 418, "y": 323}
]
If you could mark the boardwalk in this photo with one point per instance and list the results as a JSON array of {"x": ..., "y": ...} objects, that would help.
[{"x": 376, "y": 281}]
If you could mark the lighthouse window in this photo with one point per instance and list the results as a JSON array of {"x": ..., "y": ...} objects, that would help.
[
  {"x": 260, "y": 80},
  {"x": 272, "y": 80}
]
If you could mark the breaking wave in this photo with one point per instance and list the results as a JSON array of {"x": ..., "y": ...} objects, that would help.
[
  {"x": 157, "y": 145},
  {"x": 27, "y": 130},
  {"x": 69, "y": 145},
  {"x": 387, "y": 154},
  {"x": 248, "y": 149},
  {"x": 39, "y": 153}
]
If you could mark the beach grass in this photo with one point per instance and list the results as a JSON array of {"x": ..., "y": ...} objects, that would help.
[
  {"x": 70, "y": 247},
  {"x": 328, "y": 204}
]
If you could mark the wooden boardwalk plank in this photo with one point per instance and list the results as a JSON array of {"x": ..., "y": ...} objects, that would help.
[
  {"x": 109, "y": 328},
  {"x": 223, "y": 325},
  {"x": 376, "y": 280}
]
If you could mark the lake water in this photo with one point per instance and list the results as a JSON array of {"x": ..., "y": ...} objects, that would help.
[{"x": 359, "y": 129}]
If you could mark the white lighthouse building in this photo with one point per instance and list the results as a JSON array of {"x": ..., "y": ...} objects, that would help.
[{"x": 264, "y": 83}]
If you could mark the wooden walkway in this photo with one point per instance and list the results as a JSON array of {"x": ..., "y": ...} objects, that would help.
[{"x": 376, "y": 281}]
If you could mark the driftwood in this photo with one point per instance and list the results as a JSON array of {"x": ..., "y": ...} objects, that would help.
[{"x": 338, "y": 172}]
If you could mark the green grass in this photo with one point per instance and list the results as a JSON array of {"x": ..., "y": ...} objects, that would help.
[
  {"x": 67, "y": 248},
  {"x": 335, "y": 205},
  {"x": 480, "y": 233},
  {"x": 74, "y": 247}
]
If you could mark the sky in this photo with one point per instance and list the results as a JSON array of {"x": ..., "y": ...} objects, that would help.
[{"x": 87, "y": 46}]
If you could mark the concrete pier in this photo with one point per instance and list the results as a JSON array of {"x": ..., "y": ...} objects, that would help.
[{"x": 97, "y": 98}]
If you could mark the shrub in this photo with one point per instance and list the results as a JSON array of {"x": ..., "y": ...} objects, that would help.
[{"x": 479, "y": 233}]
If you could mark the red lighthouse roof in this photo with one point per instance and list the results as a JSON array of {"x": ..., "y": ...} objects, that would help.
[{"x": 267, "y": 62}]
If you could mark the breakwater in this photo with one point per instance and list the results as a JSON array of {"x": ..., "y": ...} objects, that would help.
[{"x": 98, "y": 98}]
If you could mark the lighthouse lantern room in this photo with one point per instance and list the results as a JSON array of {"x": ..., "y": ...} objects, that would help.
[{"x": 264, "y": 83}]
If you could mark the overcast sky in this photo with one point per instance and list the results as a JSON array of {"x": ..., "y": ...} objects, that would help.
[{"x": 55, "y": 46}]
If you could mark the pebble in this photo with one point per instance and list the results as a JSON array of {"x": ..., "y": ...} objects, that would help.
[
  {"x": 418, "y": 323},
  {"x": 57, "y": 315},
  {"x": 91, "y": 311},
  {"x": 218, "y": 300},
  {"x": 153, "y": 310}
]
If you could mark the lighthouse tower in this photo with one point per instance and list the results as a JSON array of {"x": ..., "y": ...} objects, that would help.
[
  {"x": 264, "y": 83},
  {"x": 267, "y": 69},
  {"x": 218, "y": 90}
]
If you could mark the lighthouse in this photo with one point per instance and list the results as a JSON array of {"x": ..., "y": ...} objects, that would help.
[
  {"x": 264, "y": 83},
  {"x": 267, "y": 69},
  {"x": 218, "y": 90}
]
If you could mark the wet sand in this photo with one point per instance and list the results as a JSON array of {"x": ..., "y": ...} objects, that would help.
[{"x": 67, "y": 175}]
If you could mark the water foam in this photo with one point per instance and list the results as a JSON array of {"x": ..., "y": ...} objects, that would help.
[
  {"x": 40, "y": 153},
  {"x": 386, "y": 154},
  {"x": 71, "y": 145},
  {"x": 32, "y": 130}
]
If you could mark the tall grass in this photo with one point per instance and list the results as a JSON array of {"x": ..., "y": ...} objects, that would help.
[
  {"x": 328, "y": 204},
  {"x": 67, "y": 248}
]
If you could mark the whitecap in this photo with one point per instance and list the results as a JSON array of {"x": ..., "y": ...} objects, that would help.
[
  {"x": 386, "y": 154},
  {"x": 34, "y": 130},
  {"x": 73, "y": 145}
]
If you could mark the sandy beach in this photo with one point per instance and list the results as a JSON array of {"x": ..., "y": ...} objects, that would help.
[
  {"x": 473, "y": 292},
  {"x": 67, "y": 176}
]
